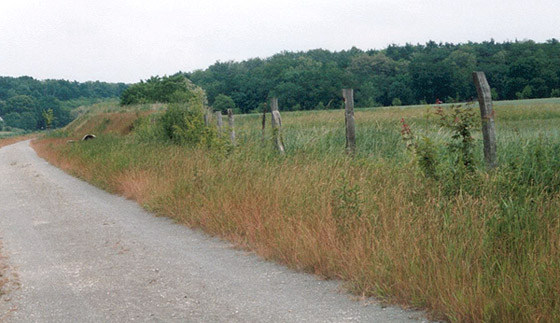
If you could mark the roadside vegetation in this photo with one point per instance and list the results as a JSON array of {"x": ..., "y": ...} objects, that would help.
[
  {"x": 8, "y": 140},
  {"x": 413, "y": 218}
]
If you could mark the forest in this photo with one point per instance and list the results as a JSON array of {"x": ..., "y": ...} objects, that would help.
[
  {"x": 409, "y": 74},
  {"x": 24, "y": 100}
]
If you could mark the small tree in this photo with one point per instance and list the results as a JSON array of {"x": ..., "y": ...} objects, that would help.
[
  {"x": 223, "y": 102},
  {"x": 48, "y": 116}
]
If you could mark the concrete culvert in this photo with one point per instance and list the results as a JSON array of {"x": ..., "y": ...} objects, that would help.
[{"x": 88, "y": 137}]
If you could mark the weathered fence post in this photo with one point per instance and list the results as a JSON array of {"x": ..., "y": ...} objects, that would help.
[
  {"x": 348, "y": 95},
  {"x": 219, "y": 121},
  {"x": 263, "y": 132},
  {"x": 231, "y": 128},
  {"x": 276, "y": 125},
  {"x": 207, "y": 117},
  {"x": 487, "y": 116}
]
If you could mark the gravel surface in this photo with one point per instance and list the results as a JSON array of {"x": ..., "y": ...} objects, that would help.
[{"x": 83, "y": 255}]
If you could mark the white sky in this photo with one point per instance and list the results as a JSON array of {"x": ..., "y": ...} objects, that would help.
[{"x": 128, "y": 40}]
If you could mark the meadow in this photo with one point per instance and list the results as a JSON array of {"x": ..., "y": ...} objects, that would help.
[{"x": 463, "y": 242}]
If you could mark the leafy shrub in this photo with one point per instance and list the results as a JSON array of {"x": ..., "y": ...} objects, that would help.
[
  {"x": 426, "y": 156},
  {"x": 223, "y": 103},
  {"x": 424, "y": 151},
  {"x": 183, "y": 124},
  {"x": 454, "y": 170},
  {"x": 460, "y": 121}
]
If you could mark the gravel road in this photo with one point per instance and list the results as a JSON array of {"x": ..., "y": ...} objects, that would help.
[{"x": 83, "y": 255}]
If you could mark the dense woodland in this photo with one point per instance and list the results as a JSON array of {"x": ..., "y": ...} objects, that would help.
[
  {"x": 408, "y": 74},
  {"x": 23, "y": 100}
]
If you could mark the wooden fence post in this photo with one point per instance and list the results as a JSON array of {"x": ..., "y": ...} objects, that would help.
[
  {"x": 276, "y": 125},
  {"x": 348, "y": 95},
  {"x": 207, "y": 117},
  {"x": 231, "y": 128},
  {"x": 263, "y": 133},
  {"x": 207, "y": 113},
  {"x": 487, "y": 116},
  {"x": 219, "y": 121}
]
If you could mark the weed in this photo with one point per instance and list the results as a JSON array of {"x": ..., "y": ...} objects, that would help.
[{"x": 460, "y": 121}]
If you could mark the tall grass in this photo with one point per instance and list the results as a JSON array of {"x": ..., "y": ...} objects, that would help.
[{"x": 479, "y": 247}]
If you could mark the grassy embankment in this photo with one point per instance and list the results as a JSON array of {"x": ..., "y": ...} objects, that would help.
[{"x": 478, "y": 246}]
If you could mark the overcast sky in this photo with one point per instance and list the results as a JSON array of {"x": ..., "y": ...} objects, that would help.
[{"x": 129, "y": 40}]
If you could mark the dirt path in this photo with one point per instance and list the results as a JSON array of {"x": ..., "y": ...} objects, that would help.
[{"x": 83, "y": 255}]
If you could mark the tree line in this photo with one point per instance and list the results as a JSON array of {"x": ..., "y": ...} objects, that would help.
[
  {"x": 409, "y": 74},
  {"x": 25, "y": 100}
]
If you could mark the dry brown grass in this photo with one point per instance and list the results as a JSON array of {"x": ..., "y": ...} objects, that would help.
[
  {"x": 120, "y": 123},
  {"x": 13, "y": 140}
]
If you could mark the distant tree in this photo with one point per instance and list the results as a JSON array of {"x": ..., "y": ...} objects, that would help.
[
  {"x": 223, "y": 102},
  {"x": 25, "y": 120},
  {"x": 48, "y": 117},
  {"x": 21, "y": 103},
  {"x": 167, "y": 89}
]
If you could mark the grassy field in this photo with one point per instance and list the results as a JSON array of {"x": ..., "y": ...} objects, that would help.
[{"x": 465, "y": 244}]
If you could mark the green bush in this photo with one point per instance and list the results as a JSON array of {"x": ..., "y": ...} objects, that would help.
[
  {"x": 183, "y": 124},
  {"x": 167, "y": 89},
  {"x": 223, "y": 103},
  {"x": 460, "y": 121}
]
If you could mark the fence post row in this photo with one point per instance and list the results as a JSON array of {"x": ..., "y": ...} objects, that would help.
[
  {"x": 348, "y": 95},
  {"x": 219, "y": 121},
  {"x": 487, "y": 116},
  {"x": 276, "y": 125},
  {"x": 231, "y": 128}
]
